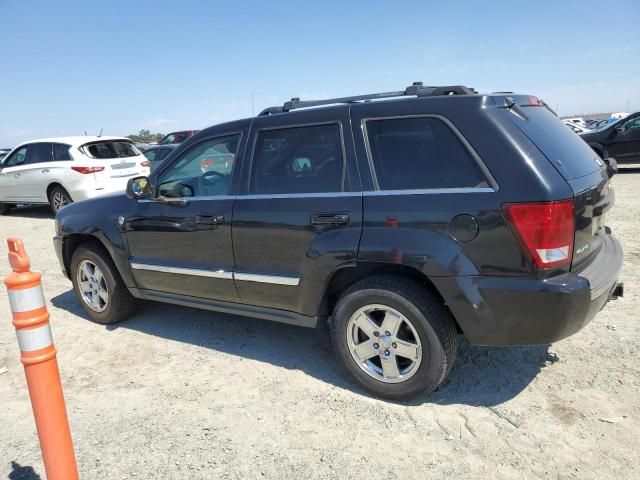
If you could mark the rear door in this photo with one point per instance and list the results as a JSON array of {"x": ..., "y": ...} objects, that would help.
[{"x": 301, "y": 215}]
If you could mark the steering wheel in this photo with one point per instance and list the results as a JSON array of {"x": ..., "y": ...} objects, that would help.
[{"x": 209, "y": 179}]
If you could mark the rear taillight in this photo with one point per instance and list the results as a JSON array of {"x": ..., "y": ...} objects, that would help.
[
  {"x": 146, "y": 163},
  {"x": 85, "y": 170},
  {"x": 545, "y": 230}
]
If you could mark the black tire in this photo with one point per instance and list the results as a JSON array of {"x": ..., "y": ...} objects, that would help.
[
  {"x": 431, "y": 320},
  {"x": 4, "y": 208},
  {"x": 56, "y": 195},
  {"x": 121, "y": 303}
]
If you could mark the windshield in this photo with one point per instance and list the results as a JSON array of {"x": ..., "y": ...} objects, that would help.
[{"x": 110, "y": 149}]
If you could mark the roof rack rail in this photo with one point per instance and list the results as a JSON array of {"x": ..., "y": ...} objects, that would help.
[{"x": 416, "y": 89}]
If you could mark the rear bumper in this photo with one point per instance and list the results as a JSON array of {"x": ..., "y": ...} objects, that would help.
[{"x": 503, "y": 311}]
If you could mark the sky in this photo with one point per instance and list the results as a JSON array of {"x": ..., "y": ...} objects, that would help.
[{"x": 69, "y": 66}]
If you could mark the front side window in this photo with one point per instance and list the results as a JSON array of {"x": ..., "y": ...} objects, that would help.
[
  {"x": 17, "y": 158},
  {"x": 202, "y": 171},
  {"x": 420, "y": 153},
  {"x": 633, "y": 123},
  {"x": 298, "y": 160}
]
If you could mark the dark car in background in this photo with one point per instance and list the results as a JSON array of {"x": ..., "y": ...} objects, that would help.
[
  {"x": 399, "y": 222},
  {"x": 177, "y": 137},
  {"x": 4, "y": 152},
  {"x": 157, "y": 153},
  {"x": 620, "y": 140}
]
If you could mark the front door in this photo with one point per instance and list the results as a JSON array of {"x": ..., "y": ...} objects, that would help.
[
  {"x": 300, "y": 219},
  {"x": 180, "y": 241},
  {"x": 625, "y": 146},
  {"x": 10, "y": 174}
]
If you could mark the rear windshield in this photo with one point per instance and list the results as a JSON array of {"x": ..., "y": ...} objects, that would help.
[
  {"x": 110, "y": 149},
  {"x": 569, "y": 153}
]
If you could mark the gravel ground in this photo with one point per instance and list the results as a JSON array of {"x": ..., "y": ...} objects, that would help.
[{"x": 180, "y": 393}]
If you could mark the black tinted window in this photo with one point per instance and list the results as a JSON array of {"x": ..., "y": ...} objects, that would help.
[
  {"x": 418, "y": 153},
  {"x": 110, "y": 149},
  {"x": 61, "y": 152},
  {"x": 571, "y": 155},
  {"x": 298, "y": 160},
  {"x": 39, "y": 153}
]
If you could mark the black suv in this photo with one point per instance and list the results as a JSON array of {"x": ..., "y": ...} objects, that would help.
[
  {"x": 620, "y": 140},
  {"x": 402, "y": 219}
]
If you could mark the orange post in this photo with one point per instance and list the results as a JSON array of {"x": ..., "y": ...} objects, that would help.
[{"x": 38, "y": 355}]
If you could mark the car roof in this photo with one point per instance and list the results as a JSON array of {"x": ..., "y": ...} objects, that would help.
[{"x": 74, "y": 141}]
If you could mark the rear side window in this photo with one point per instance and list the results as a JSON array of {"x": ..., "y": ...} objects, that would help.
[
  {"x": 569, "y": 153},
  {"x": 39, "y": 153},
  {"x": 298, "y": 160},
  {"x": 110, "y": 149},
  {"x": 420, "y": 153},
  {"x": 61, "y": 152}
]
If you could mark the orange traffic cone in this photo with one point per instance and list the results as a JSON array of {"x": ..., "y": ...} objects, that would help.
[{"x": 38, "y": 355}]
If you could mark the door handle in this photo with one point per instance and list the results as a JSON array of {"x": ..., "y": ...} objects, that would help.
[
  {"x": 329, "y": 219},
  {"x": 17, "y": 175},
  {"x": 46, "y": 170},
  {"x": 206, "y": 220}
]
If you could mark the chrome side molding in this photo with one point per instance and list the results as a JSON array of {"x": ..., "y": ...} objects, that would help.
[{"x": 221, "y": 274}]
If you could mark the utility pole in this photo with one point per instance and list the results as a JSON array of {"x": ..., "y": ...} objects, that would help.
[
  {"x": 252, "y": 112},
  {"x": 627, "y": 110}
]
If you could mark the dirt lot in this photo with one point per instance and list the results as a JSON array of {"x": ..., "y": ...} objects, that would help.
[{"x": 180, "y": 393}]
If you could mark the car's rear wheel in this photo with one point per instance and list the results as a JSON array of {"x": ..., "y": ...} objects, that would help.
[
  {"x": 394, "y": 336},
  {"x": 58, "y": 198},
  {"x": 98, "y": 286}
]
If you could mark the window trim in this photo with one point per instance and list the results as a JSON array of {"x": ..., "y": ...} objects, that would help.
[
  {"x": 252, "y": 163},
  {"x": 234, "y": 171},
  {"x": 494, "y": 187}
]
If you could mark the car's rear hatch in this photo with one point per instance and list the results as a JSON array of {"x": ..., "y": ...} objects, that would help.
[
  {"x": 576, "y": 162},
  {"x": 121, "y": 158}
]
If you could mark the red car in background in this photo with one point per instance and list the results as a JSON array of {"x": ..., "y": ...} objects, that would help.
[{"x": 177, "y": 137}]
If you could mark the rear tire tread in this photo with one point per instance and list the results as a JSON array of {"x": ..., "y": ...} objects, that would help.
[{"x": 430, "y": 305}]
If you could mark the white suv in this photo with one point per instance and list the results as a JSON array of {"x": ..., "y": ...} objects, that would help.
[{"x": 59, "y": 171}]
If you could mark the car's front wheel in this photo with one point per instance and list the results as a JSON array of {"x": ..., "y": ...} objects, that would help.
[
  {"x": 394, "y": 336},
  {"x": 98, "y": 286}
]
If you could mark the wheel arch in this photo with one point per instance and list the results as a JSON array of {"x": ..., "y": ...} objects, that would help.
[
  {"x": 598, "y": 148},
  {"x": 53, "y": 185},
  {"x": 344, "y": 277},
  {"x": 74, "y": 241}
]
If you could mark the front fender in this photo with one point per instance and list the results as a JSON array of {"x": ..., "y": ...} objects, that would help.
[{"x": 97, "y": 219}]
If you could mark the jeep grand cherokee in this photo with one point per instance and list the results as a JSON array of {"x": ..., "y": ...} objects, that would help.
[{"x": 401, "y": 219}]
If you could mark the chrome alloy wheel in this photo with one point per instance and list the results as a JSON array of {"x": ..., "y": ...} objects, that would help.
[
  {"x": 384, "y": 343},
  {"x": 92, "y": 286},
  {"x": 59, "y": 200}
]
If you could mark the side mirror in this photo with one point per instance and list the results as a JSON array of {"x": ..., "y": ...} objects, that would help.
[
  {"x": 620, "y": 128},
  {"x": 138, "y": 188}
]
